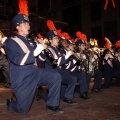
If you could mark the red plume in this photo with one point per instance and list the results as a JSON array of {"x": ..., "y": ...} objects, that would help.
[
  {"x": 50, "y": 25},
  {"x": 39, "y": 36},
  {"x": 79, "y": 34},
  {"x": 59, "y": 33},
  {"x": 107, "y": 45},
  {"x": 73, "y": 40},
  {"x": 118, "y": 43},
  {"x": 23, "y": 7},
  {"x": 83, "y": 37},
  {"x": 66, "y": 35},
  {"x": 107, "y": 40}
]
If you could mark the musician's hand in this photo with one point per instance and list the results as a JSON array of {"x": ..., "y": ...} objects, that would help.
[
  {"x": 43, "y": 42},
  {"x": 68, "y": 54},
  {"x": 38, "y": 49},
  {"x": 44, "y": 45}
]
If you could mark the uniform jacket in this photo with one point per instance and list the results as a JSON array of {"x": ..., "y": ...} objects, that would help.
[
  {"x": 55, "y": 53},
  {"x": 22, "y": 68}
]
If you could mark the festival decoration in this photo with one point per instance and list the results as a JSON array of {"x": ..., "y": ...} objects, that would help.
[{"x": 106, "y": 4}]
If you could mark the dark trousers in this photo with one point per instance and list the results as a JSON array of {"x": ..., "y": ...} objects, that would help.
[
  {"x": 116, "y": 74},
  {"x": 25, "y": 90},
  {"x": 4, "y": 66},
  {"x": 81, "y": 78},
  {"x": 108, "y": 74},
  {"x": 67, "y": 85},
  {"x": 69, "y": 81},
  {"x": 97, "y": 79}
]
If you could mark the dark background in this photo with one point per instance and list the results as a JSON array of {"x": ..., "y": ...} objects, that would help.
[{"x": 70, "y": 18}]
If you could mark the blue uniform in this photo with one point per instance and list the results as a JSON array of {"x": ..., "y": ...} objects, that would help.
[
  {"x": 108, "y": 69},
  {"x": 73, "y": 69},
  {"x": 81, "y": 78},
  {"x": 25, "y": 76},
  {"x": 116, "y": 72},
  {"x": 67, "y": 78}
]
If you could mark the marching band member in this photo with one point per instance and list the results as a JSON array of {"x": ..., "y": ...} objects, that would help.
[
  {"x": 95, "y": 71},
  {"x": 91, "y": 69},
  {"x": 58, "y": 60},
  {"x": 73, "y": 67},
  {"x": 116, "y": 72},
  {"x": 25, "y": 75},
  {"x": 107, "y": 63}
]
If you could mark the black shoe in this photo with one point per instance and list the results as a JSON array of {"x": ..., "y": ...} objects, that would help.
[
  {"x": 87, "y": 93},
  {"x": 69, "y": 102},
  {"x": 83, "y": 96},
  {"x": 54, "y": 109},
  {"x": 97, "y": 90},
  {"x": 9, "y": 101}
]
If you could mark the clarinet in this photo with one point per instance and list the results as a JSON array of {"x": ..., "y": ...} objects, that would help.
[{"x": 51, "y": 59}]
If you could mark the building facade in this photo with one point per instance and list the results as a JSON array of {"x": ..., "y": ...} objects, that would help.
[{"x": 87, "y": 16}]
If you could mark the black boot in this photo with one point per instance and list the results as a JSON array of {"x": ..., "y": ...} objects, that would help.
[
  {"x": 54, "y": 109},
  {"x": 83, "y": 96},
  {"x": 9, "y": 101}
]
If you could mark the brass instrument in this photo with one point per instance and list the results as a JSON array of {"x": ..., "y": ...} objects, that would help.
[
  {"x": 91, "y": 65},
  {"x": 93, "y": 62},
  {"x": 82, "y": 60}
]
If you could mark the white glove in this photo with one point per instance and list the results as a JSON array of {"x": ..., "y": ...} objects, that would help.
[
  {"x": 68, "y": 54},
  {"x": 38, "y": 49}
]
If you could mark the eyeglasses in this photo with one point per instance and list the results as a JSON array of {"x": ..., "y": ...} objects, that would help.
[{"x": 55, "y": 37}]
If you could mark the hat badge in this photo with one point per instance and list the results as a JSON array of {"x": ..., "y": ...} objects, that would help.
[
  {"x": 26, "y": 18},
  {"x": 55, "y": 32}
]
